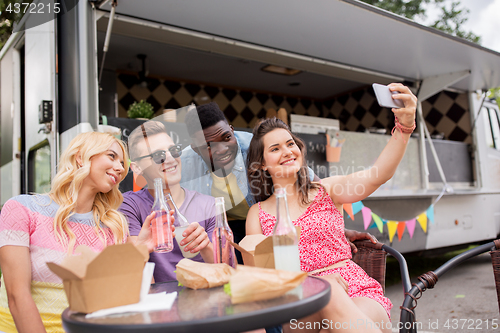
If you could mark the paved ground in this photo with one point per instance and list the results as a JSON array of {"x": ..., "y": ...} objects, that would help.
[{"x": 463, "y": 300}]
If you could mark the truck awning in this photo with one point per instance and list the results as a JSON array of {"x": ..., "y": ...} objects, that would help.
[{"x": 347, "y": 42}]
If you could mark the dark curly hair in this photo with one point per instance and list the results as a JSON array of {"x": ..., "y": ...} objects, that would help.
[
  {"x": 261, "y": 183},
  {"x": 205, "y": 115}
]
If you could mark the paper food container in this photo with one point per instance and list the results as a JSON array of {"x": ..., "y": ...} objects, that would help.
[
  {"x": 94, "y": 281},
  {"x": 257, "y": 250}
]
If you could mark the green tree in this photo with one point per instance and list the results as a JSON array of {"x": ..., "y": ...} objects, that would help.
[
  {"x": 452, "y": 20},
  {"x": 409, "y": 8},
  {"x": 495, "y": 94},
  {"x": 7, "y": 19}
]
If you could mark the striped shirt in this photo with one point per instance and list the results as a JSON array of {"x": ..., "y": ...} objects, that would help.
[{"x": 28, "y": 220}]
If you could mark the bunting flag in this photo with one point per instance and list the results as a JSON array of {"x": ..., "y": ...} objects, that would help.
[
  {"x": 392, "y": 226},
  {"x": 422, "y": 220},
  {"x": 430, "y": 213},
  {"x": 356, "y": 207},
  {"x": 372, "y": 220},
  {"x": 401, "y": 229},
  {"x": 348, "y": 210},
  {"x": 411, "y": 226},
  {"x": 139, "y": 182},
  {"x": 367, "y": 216},
  {"x": 378, "y": 222}
]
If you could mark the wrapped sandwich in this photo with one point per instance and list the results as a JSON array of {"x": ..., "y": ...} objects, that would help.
[
  {"x": 250, "y": 284},
  {"x": 198, "y": 275}
]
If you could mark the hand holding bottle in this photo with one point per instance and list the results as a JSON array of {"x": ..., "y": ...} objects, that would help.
[
  {"x": 146, "y": 234},
  {"x": 181, "y": 227},
  {"x": 194, "y": 238}
]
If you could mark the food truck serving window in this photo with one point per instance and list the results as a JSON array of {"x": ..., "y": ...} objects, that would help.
[
  {"x": 39, "y": 168},
  {"x": 492, "y": 128}
]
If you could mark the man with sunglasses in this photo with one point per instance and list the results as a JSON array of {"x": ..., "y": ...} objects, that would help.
[
  {"x": 160, "y": 156},
  {"x": 153, "y": 154}
]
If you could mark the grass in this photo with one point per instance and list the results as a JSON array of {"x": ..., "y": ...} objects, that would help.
[{"x": 417, "y": 265}]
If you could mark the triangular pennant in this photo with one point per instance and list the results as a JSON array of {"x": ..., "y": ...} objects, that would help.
[
  {"x": 392, "y": 226},
  {"x": 348, "y": 210},
  {"x": 139, "y": 182},
  {"x": 430, "y": 213},
  {"x": 378, "y": 222},
  {"x": 367, "y": 216},
  {"x": 373, "y": 225},
  {"x": 401, "y": 230},
  {"x": 422, "y": 220},
  {"x": 356, "y": 207},
  {"x": 384, "y": 221},
  {"x": 410, "y": 225}
]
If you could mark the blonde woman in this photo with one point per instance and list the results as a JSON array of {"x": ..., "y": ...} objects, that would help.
[{"x": 80, "y": 209}]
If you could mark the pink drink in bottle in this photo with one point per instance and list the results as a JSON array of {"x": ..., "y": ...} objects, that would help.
[
  {"x": 161, "y": 231},
  {"x": 223, "y": 250}
]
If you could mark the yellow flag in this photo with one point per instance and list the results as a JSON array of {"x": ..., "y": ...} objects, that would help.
[
  {"x": 392, "y": 226},
  {"x": 422, "y": 220}
]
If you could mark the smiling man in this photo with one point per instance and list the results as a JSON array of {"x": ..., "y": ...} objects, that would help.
[
  {"x": 215, "y": 164},
  {"x": 155, "y": 155}
]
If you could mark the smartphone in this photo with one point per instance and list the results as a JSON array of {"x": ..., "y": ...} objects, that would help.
[{"x": 384, "y": 97}]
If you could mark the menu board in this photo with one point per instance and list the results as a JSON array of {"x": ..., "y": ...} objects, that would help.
[{"x": 316, "y": 153}]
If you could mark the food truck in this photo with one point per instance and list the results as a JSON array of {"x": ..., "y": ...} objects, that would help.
[{"x": 84, "y": 66}]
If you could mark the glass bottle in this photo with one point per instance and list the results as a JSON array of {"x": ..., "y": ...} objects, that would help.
[
  {"x": 181, "y": 223},
  {"x": 162, "y": 234},
  {"x": 223, "y": 250},
  {"x": 285, "y": 239}
]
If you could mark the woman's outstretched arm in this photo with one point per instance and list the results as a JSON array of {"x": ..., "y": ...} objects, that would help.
[
  {"x": 16, "y": 269},
  {"x": 359, "y": 185}
]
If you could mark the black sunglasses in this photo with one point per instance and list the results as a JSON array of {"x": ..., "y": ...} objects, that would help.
[{"x": 161, "y": 155}]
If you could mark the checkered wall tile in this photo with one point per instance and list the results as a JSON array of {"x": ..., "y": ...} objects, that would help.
[{"x": 445, "y": 112}]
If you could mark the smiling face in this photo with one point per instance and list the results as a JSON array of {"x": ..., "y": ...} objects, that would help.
[
  {"x": 217, "y": 146},
  {"x": 169, "y": 170},
  {"x": 106, "y": 170},
  {"x": 282, "y": 156}
]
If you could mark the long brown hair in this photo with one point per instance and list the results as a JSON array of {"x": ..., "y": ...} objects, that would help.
[{"x": 261, "y": 183}]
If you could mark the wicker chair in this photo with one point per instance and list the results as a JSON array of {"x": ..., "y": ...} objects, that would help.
[{"x": 372, "y": 258}]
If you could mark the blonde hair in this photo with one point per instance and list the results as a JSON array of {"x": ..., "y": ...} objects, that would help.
[{"x": 69, "y": 180}]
